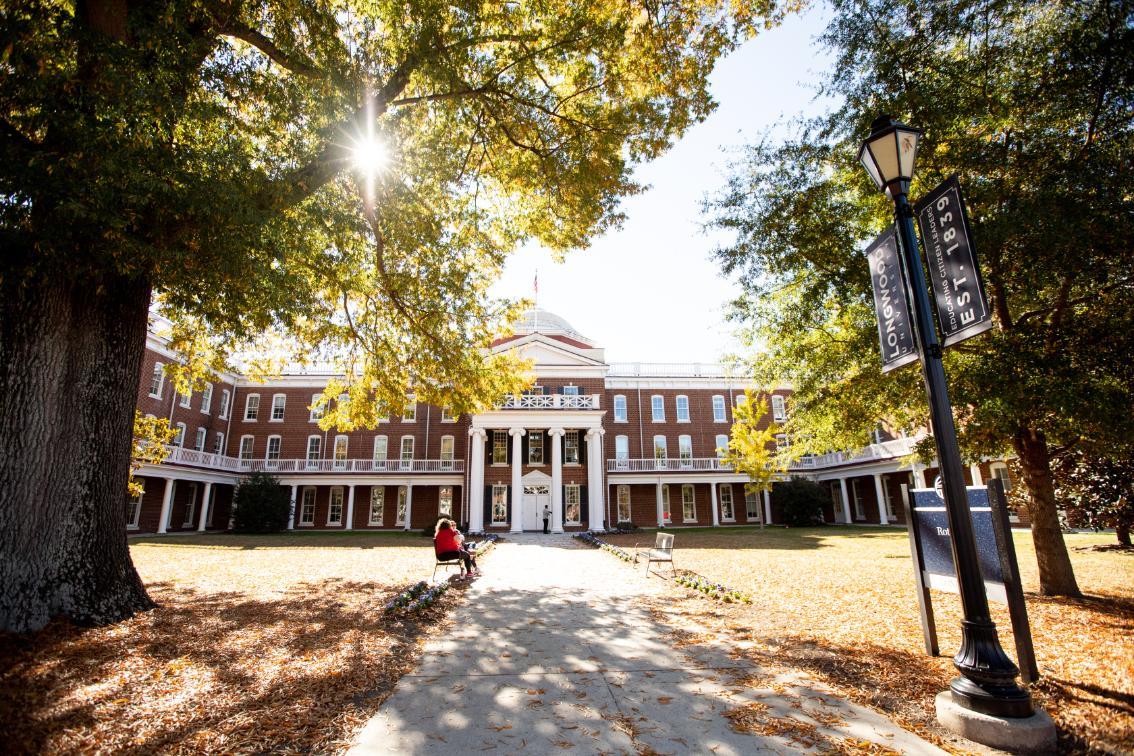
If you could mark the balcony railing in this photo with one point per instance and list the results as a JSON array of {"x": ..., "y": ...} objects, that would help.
[
  {"x": 669, "y": 464},
  {"x": 899, "y": 447},
  {"x": 552, "y": 401},
  {"x": 181, "y": 456}
]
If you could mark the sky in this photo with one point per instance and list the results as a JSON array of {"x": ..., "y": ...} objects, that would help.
[{"x": 649, "y": 291}]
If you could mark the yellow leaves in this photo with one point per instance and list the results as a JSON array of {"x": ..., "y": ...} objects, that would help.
[
  {"x": 151, "y": 434},
  {"x": 748, "y": 450}
]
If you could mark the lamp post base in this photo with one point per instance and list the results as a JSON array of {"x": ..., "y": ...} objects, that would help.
[{"x": 1031, "y": 734}]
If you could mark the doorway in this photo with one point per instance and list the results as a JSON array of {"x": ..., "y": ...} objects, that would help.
[{"x": 535, "y": 499}]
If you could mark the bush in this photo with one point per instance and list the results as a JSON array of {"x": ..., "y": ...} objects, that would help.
[
  {"x": 261, "y": 505},
  {"x": 801, "y": 501}
]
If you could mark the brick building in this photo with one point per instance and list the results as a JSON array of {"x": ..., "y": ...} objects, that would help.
[{"x": 597, "y": 442}]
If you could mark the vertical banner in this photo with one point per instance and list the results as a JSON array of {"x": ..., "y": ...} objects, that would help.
[
  {"x": 962, "y": 307},
  {"x": 895, "y": 329}
]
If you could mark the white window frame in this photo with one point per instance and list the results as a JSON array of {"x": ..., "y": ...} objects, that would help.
[
  {"x": 134, "y": 508},
  {"x": 779, "y": 408},
  {"x": 688, "y": 502},
  {"x": 313, "y": 460},
  {"x": 410, "y": 415},
  {"x": 246, "y": 454},
  {"x": 667, "y": 513},
  {"x": 500, "y": 444},
  {"x": 341, "y": 452},
  {"x": 185, "y": 401},
  {"x": 381, "y": 452},
  {"x": 721, "y": 449},
  {"x": 212, "y": 509},
  {"x": 657, "y": 408},
  {"x": 725, "y": 499},
  {"x": 571, "y": 448},
  {"x": 273, "y": 462},
  {"x": 622, "y": 452},
  {"x": 570, "y": 390},
  {"x": 191, "y": 509},
  {"x": 377, "y": 505},
  {"x": 661, "y": 459},
  {"x": 682, "y": 417},
  {"x": 572, "y": 495},
  {"x": 856, "y": 497},
  {"x": 447, "y": 456},
  {"x": 444, "y": 494},
  {"x": 887, "y": 501},
  {"x": 447, "y": 416},
  {"x": 200, "y": 439},
  {"x": 1000, "y": 470},
  {"x": 620, "y": 415},
  {"x": 252, "y": 409},
  {"x": 499, "y": 508},
  {"x": 179, "y": 439},
  {"x": 720, "y": 415},
  {"x": 159, "y": 377},
  {"x": 316, "y": 412},
  {"x": 225, "y": 403},
  {"x": 741, "y": 400},
  {"x": 207, "y": 399},
  {"x": 279, "y": 406},
  {"x": 218, "y": 443},
  {"x": 402, "y": 505},
  {"x": 406, "y": 459},
  {"x": 783, "y": 443},
  {"x": 307, "y": 517},
  {"x": 685, "y": 451},
  {"x": 331, "y": 505},
  {"x": 622, "y": 496},
  {"x": 751, "y": 506},
  {"x": 534, "y": 447}
]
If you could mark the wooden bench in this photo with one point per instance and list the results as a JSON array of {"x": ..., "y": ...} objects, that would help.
[{"x": 661, "y": 553}]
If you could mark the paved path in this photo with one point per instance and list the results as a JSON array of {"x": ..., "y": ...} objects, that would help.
[{"x": 557, "y": 650}]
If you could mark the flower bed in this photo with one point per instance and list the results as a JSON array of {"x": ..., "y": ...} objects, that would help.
[
  {"x": 598, "y": 543},
  {"x": 484, "y": 544},
  {"x": 712, "y": 590},
  {"x": 417, "y": 598}
]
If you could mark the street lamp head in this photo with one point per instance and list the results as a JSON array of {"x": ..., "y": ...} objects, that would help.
[{"x": 889, "y": 154}]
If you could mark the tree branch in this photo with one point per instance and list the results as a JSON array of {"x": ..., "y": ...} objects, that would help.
[{"x": 296, "y": 63}]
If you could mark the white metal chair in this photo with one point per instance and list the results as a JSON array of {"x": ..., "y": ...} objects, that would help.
[
  {"x": 446, "y": 563},
  {"x": 662, "y": 553}
]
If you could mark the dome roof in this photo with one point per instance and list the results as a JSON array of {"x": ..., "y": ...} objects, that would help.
[{"x": 542, "y": 321}]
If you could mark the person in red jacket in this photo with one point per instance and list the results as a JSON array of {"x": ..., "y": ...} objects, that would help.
[{"x": 449, "y": 544}]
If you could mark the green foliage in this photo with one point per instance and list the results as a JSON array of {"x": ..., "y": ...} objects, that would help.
[
  {"x": 1029, "y": 103},
  {"x": 207, "y": 148},
  {"x": 751, "y": 445},
  {"x": 801, "y": 501},
  {"x": 261, "y": 505},
  {"x": 1097, "y": 492}
]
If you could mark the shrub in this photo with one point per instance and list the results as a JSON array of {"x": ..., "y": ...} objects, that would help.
[
  {"x": 801, "y": 501},
  {"x": 261, "y": 505}
]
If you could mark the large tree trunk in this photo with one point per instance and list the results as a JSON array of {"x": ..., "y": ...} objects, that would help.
[
  {"x": 1055, "y": 573},
  {"x": 70, "y": 355}
]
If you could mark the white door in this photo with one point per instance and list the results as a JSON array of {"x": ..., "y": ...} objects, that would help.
[{"x": 535, "y": 499}]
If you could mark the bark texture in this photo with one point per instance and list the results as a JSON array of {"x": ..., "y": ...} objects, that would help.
[
  {"x": 1057, "y": 578},
  {"x": 70, "y": 356}
]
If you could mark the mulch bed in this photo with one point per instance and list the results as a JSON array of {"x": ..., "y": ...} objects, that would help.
[
  {"x": 839, "y": 604},
  {"x": 274, "y": 643}
]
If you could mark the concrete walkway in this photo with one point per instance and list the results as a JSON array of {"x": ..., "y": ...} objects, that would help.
[{"x": 557, "y": 650}]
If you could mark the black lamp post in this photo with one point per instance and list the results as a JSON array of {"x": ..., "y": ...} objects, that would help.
[{"x": 988, "y": 677}]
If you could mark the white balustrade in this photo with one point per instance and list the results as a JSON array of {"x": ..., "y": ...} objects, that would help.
[
  {"x": 667, "y": 464},
  {"x": 180, "y": 456},
  {"x": 552, "y": 401}
]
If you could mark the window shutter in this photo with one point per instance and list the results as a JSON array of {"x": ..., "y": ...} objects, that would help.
[
  {"x": 583, "y": 447},
  {"x": 523, "y": 450},
  {"x": 487, "y": 507},
  {"x": 584, "y": 509}
]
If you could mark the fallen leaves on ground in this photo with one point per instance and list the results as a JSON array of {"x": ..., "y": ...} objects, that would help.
[
  {"x": 271, "y": 643},
  {"x": 839, "y": 604}
]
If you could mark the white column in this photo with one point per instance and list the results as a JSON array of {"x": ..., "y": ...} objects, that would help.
[
  {"x": 661, "y": 517},
  {"x": 713, "y": 499},
  {"x": 846, "y": 501},
  {"x": 294, "y": 502},
  {"x": 880, "y": 495},
  {"x": 166, "y": 506},
  {"x": 556, "y": 436},
  {"x": 978, "y": 479},
  {"x": 476, "y": 480},
  {"x": 595, "y": 464},
  {"x": 919, "y": 476},
  {"x": 409, "y": 504},
  {"x": 767, "y": 509},
  {"x": 350, "y": 508},
  {"x": 517, "y": 475},
  {"x": 204, "y": 508}
]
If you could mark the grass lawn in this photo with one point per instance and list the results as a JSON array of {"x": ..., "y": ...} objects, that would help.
[
  {"x": 839, "y": 602},
  {"x": 259, "y": 643}
]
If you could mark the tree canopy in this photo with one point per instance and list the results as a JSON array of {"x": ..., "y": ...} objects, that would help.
[{"x": 1029, "y": 103}]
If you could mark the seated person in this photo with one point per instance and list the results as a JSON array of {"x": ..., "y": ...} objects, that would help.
[{"x": 449, "y": 545}]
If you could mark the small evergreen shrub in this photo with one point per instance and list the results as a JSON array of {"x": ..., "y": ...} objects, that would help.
[
  {"x": 261, "y": 505},
  {"x": 801, "y": 501}
]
